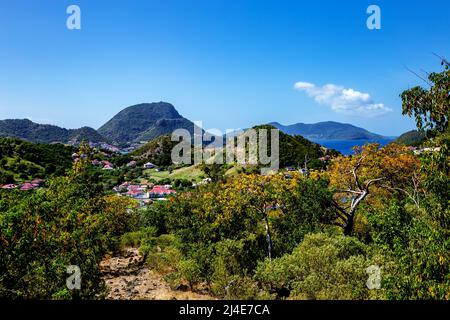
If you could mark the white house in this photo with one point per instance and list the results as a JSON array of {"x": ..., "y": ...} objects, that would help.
[{"x": 149, "y": 165}]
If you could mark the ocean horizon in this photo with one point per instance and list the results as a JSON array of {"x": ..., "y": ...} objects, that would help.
[{"x": 346, "y": 146}]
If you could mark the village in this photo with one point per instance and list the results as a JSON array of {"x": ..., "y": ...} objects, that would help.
[{"x": 143, "y": 191}]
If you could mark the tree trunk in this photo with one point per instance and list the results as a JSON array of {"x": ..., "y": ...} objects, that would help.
[
  {"x": 348, "y": 229},
  {"x": 269, "y": 238}
]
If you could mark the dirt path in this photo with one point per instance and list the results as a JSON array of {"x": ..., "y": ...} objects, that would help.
[{"x": 128, "y": 278}]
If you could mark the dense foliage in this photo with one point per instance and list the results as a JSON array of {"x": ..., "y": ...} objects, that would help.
[
  {"x": 293, "y": 150},
  {"x": 21, "y": 160},
  {"x": 42, "y": 232}
]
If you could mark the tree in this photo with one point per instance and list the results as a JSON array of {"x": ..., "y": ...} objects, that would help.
[
  {"x": 371, "y": 170},
  {"x": 276, "y": 208},
  {"x": 416, "y": 237},
  {"x": 430, "y": 107}
]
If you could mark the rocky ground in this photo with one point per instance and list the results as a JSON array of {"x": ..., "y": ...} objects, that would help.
[{"x": 128, "y": 278}]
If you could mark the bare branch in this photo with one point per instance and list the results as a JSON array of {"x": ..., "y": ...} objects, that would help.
[
  {"x": 418, "y": 76},
  {"x": 340, "y": 209},
  {"x": 371, "y": 181},
  {"x": 408, "y": 194},
  {"x": 442, "y": 59},
  {"x": 355, "y": 168},
  {"x": 357, "y": 201},
  {"x": 349, "y": 191}
]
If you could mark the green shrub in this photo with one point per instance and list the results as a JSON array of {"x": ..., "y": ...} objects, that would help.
[
  {"x": 235, "y": 287},
  {"x": 230, "y": 269},
  {"x": 155, "y": 216},
  {"x": 321, "y": 267},
  {"x": 162, "y": 253},
  {"x": 189, "y": 270},
  {"x": 138, "y": 238}
]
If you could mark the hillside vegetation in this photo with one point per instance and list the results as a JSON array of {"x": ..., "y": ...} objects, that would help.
[
  {"x": 21, "y": 160},
  {"x": 158, "y": 151},
  {"x": 411, "y": 138},
  {"x": 44, "y": 133},
  {"x": 144, "y": 122},
  {"x": 295, "y": 149}
]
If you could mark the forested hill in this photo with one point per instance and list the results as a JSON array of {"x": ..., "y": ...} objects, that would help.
[
  {"x": 144, "y": 122},
  {"x": 44, "y": 133},
  {"x": 411, "y": 138},
  {"x": 294, "y": 149},
  {"x": 158, "y": 151},
  {"x": 21, "y": 160}
]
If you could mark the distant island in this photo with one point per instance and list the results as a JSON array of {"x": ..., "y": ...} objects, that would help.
[{"x": 328, "y": 130}]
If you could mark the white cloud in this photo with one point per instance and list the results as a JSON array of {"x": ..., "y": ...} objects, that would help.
[
  {"x": 303, "y": 85},
  {"x": 343, "y": 100}
]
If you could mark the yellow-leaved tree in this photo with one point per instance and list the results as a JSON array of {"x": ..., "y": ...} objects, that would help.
[{"x": 372, "y": 170}]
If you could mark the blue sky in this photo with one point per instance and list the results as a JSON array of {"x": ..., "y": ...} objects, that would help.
[{"x": 230, "y": 64}]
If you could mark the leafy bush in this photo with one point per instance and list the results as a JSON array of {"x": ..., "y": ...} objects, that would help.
[
  {"x": 138, "y": 238},
  {"x": 154, "y": 216},
  {"x": 321, "y": 267},
  {"x": 230, "y": 268},
  {"x": 189, "y": 270},
  {"x": 162, "y": 253}
]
